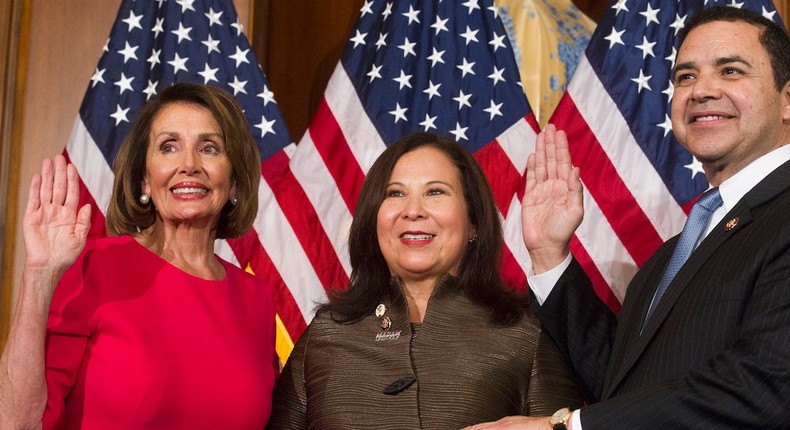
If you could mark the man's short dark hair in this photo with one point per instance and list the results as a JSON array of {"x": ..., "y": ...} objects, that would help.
[{"x": 773, "y": 37}]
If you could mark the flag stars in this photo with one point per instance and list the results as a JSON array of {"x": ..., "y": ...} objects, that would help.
[
  {"x": 641, "y": 81},
  {"x": 366, "y": 9},
  {"x": 440, "y": 25},
  {"x": 669, "y": 91},
  {"x": 154, "y": 58},
  {"x": 466, "y": 68},
  {"x": 436, "y": 57},
  {"x": 736, "y": 4},
  {"x": 432, "y": 90},
  {"x": 211, "y": 44},
  {"x": 120, "y": 115},
  {"x": 646, "y": 48},
  {"x": 403, "y": 80},
  {"x": 471, "y": 5},
  {"x": 620, "y": 7},
  {"x": 615, "y": 37},
  {"x": 671, "y": 57},
  {"x": 679, "y": 23},
  {"x": 359, "y": 38},
  {"x": 239, "y": 28},
  {"x": 238, "y": 86},
  {"x": 459, "y": 132},
  {"x": 497, "y": 75},
  {"x": 497, "y": 42},
  {"x": 382, "y": 41},
  {"x": 158, "y": 27},
  {"x": 470, "y": 35},
  {"x": 495, "y": 10},
  {"x": 209, "y": 74},
  {"x": 182, "y": 32},
  {"x": 407, "y": 47},
  {"x": 375, "y": 72},
  {"x": 463, "y": 99},
  {"x": 128, "y": 52},
  {"x": 124, "y": 83},
  {"x": 413, "y": 15},
  {"x": 428, "y": 122},
  {"x": 98, "y": 76},
  {"x": 150, "y": 89},
  {"x": 695, "y": 166},
  {"x": 179, "y": 63},
  {"x": 666, "y": 125},
  {"x": 267, "y": 96},
  {"x": 495, "y": 109},
  {"x": 186, "y": 5},
  {"x": 213, "y": 17},
  {"x": 650, "y": 14},
  {"x": 768, "y": 15},
  {"x": 240, "y": 56},
  {"x": 265, "y": 126},
  {"x": 399, "y": 113},
  {"x": 133, "y": 21},
  {"x": 387, "y": 11}
]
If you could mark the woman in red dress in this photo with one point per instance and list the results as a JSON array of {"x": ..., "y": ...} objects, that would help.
[{"x": 147, "y": 328}]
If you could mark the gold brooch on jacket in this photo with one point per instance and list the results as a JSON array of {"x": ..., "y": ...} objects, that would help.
[{"x": 385, "y": 323}]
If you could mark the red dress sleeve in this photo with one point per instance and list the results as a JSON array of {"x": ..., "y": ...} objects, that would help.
[{"x": 69, "y": 327}]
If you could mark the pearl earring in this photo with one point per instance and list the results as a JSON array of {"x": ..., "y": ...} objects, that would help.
[
  {"x": 234, "y": 200},
  {"x": 145, "y": 198}
]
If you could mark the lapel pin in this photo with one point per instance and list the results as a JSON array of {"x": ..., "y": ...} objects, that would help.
[
  {"x": 731, "y": 224},
  {"x": 380, "y": 309},
  {"x": 385, "y": 323}
]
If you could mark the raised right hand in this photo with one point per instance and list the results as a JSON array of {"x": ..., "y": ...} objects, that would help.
[
  {"x": 552, "y": 207},
  {"x": 54, "y": 230}
]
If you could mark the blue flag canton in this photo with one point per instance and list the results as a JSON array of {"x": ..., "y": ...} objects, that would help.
[
  {"x": 443, "y": 67},
  {"x": 154, "y": 44},
  {"x": 633, "y": 52}
]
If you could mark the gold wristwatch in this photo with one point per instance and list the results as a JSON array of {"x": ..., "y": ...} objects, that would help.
[{"x": 560, "y": 419}]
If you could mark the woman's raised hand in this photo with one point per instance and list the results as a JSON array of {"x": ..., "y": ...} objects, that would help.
[
  {"x": 54, "y": 230},
  {"x": 552, "y": 207}
]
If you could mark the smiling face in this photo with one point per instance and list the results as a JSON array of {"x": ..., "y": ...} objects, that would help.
[
  {"x": 423, "y": 227},
  {"x": 725, "y": 109},
  {"x": 188, "y": 173}
]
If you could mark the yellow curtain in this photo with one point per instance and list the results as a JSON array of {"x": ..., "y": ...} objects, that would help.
[{"x": 548, "y": 37}]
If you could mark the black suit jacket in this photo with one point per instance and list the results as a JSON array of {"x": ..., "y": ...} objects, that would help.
[{"x": 716, "y": 352}]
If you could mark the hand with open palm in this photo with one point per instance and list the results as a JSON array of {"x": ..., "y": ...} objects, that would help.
[
  {"x": 552, "y": 207},
  {"x": 54, "y": 229}
]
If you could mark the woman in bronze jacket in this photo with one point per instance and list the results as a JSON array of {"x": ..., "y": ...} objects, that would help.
[{"x": 426, "y": 335}]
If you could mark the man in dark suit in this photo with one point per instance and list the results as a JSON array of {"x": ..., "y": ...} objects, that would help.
[{"x": 712, "y": 349}]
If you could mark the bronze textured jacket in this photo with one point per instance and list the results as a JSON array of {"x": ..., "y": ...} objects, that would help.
[{"x": 464, "y": 369}]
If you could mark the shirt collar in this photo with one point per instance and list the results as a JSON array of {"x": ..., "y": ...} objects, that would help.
[{"x": 735, "y": 187}]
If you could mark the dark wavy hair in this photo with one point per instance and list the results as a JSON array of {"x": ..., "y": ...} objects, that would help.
[
  {"x": 772, "y": 37},
  {"x": 126, "y": 214},
  {"x": 479, "y": 275}
]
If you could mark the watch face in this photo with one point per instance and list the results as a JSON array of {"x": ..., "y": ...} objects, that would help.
[{"x": 560, "y": 416}]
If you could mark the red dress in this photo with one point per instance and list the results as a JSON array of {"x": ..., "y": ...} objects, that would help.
[{"x": 134, "y": 342}]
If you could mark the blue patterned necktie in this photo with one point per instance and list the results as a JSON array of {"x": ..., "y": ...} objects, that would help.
[{"x": 695, "y": 224}]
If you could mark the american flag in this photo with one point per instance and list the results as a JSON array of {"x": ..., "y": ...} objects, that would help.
[
  {"x": 639, "y": 182},
  {"x": 443, "y": 67},
  {"x": 152, "y": 45}
]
